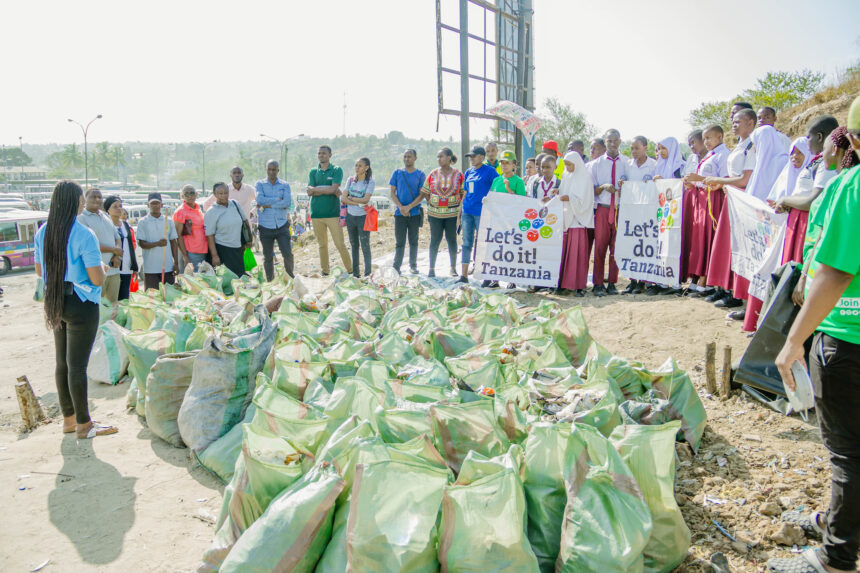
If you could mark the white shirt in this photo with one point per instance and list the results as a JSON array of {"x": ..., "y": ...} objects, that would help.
[
  {"x": 244, "y": 196},
  {"x": 544, "y": 189},
  {"x": 601, "y": 174},
  {"x": 742, "y": 158},
  {"x": 643, "y": 173},
  {"x": 823, "y": 176},
  {"x": 786, "y": 140},
  {"x": 692, "y": 164}
]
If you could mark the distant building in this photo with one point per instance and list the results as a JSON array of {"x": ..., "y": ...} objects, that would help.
[{"x": 23, "y": 173}]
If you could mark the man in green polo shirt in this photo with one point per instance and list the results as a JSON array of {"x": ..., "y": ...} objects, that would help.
[
  {"x": 831, "y": 311},
  {"x": 324, "y": 191}
]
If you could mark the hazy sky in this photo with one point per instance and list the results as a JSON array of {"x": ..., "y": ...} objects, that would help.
[{"x": 200, "y": 70}]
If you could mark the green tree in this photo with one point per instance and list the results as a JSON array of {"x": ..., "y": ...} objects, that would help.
[
  {"x": 14, "y": 157},
  {"x": 71, "y": 158},
  {"x": 710, "y": 113},
  {"x": 561, "y": 123},
  {"x": 781, "y": 90}
]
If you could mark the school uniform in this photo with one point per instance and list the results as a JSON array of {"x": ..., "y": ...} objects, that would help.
[
  {"x": 707, "y": 205},
  {"x": 814, "y": 176},
  {"x": 720, "y": 274},
  {"x": 644, "y": 172},
  {"x": 578, "y": 219},
  {"x": 606, "y": 171}
]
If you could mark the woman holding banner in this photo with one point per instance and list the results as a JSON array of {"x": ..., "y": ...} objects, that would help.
[{"x": 576, "y": 191}]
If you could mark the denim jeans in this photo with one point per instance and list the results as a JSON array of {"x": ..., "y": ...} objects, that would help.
[
  {"x": 195, "y": 259},
  {"x": 358, "y": 236},
  {"x": 834, "y": 366},
  {"x": 406, "y": 225},
  {"x": 470, "y": 223}
]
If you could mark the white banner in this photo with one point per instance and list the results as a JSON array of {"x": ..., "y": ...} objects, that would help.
[
  {"x": 519, "y": 240},
  {"x": 648, "y": 243},
  {"x": 758, "y": 234},
  {"x": 526, "y": 121}
]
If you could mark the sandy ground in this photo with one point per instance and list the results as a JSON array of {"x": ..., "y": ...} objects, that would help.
[{"x": 130, "y": 502}]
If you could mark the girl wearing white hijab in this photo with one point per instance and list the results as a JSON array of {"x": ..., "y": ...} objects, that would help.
[
  {"x": 799, "y": 159},
  {"x": 770, "y": 159},
  {"x": 576, "y": 191},
  {"x": 670, "y": 163}
]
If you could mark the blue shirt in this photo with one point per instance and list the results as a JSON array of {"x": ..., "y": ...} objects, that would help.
[
  {"x": 477, "y": 184},
  {"x": 408, "y": 188},
  {"x": 82, "y": 252},
  {"x": 278, "y": 198}
]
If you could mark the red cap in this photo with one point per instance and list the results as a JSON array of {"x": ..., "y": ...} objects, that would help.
[{"x": 550, "y": 144}]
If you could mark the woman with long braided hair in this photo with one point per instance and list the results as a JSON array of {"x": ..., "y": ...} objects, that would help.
[{"x": 69, "y": 261}]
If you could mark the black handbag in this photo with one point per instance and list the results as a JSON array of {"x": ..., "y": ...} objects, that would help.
[{"x": 247, "y": 236}]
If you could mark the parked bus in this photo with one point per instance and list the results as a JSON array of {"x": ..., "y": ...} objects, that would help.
[{"x": 17, "y": 231}]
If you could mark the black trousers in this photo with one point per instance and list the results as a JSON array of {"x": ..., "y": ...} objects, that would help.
[
  {"x": 406, "y": 225},
  {"x": 438, "y": 227},
  {"x": 233, "y": 258},
  {"x": 284, "y": 239},
  {"x": 73, "y": 342},
  {"x": 358, "y": 237},
  {"x": 124, "y": 287},
  {"x": 835, "y": 370},
  {"x": 152, "y": 280}
]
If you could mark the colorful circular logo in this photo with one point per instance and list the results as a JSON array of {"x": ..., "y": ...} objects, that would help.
[
  {"x": 659, "y": 214},
  {"x": 532, "y": 235},
  {"x": 531, "y": 214},
  {"x": 543, "y": 213},
  {"x": 551, "y": 219},
  {"x": 537, "y": 223},
  {"x": 662, "y": 199},
  {"x": 662, "y": 226},
  {"x": 674, "y": 206},
  {"x": 525, "y": 225},
  {"x": 546, "y": 232},
  {"x": 670, "y": 220}
]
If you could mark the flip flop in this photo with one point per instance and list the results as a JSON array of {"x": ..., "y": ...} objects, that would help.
[
  {"x": 806, "y": 521},
  {"x": 807, "y": 562},
  {"x": 99, "y": 430}
]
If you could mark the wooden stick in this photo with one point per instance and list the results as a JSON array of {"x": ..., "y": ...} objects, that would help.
[
  {"x": 726, "y": 388},
  {"x": 31, "y": 411},
  {"x": 711, "y": 368}
]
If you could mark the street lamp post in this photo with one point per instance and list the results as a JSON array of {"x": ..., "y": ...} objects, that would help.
[
  {"x": 21, "y": 145},
  {"x": 284, "y": 149},
  {"x": 84, "y": 130},
  {"x": 203, "y": 147}
]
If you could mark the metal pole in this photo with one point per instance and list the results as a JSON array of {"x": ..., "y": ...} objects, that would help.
[
  {"x": 21, "y": 144},
  {"x": 86, "y": 163},
  {"x": 464, "y": 77},
  {"x": 286, "y": 150},
  {"x": 524, "y": 9},
  {"x": 203, "y": 186}
]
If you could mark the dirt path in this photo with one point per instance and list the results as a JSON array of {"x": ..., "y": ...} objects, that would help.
[{"x": 132, "y": 503}]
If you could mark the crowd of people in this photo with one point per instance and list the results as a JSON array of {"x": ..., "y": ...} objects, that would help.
[{"x": 86, "y": 251}]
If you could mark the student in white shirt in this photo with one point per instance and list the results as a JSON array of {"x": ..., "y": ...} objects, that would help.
[
  {"x": 640, "y": 167},
  {"x": 607, "y": 172},
  {"x": 767, "y": 116},
  {"x": 543, "y": 185},
  {"x": 577, "y": 195},
  {"x": 740, "y": 165}
]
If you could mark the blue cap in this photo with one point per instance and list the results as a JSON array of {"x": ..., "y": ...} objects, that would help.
[{"x": 154, "y": 197}]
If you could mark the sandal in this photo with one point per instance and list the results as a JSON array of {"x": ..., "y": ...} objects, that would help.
[
  {"x": 808, "y": 522},
  {"x": 807, "y": 562},
  {"x": 98, "y": 430}
]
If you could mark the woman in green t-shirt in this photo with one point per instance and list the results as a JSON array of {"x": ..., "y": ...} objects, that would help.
[{"x": 509, "y": 182}]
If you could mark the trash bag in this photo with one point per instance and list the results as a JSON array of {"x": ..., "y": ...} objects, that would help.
[
  {"x": 606, "y": 523},
  {"x": 386, "y": 532},
  {"x": 294, "y": 377},
  {"x": 293, "y": 532},
  {"x": 268, "y": 465},
  {"x": 143, "y": 349},
  {"x": 543, "y": 482},
  {"x": 484, "y": 517},
  {"x": 108, "y": 359},
  {"x": 398, "y": 425},
  {"x": 165, "y": 389},
  {"x": 649, "y": 452},
  {"x": 140, "y": 315},
  {"x": 219, "y": 458},
  {"x": 222, "y": 383},
  {"x": 461, "y": 428},
  {"x": 673, "y": 384},
  {"x": 571, "y": 333},
  {"x": 110, "y": 311}
]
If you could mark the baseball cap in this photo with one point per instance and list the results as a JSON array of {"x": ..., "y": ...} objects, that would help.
[
  {"x": 553, "y": 145},
  {"x": 154, "y": 197},
  {"x": 477, "y": 150},
  {"x": 853, "y": 123},
  {"x": 508, "y": 155}
]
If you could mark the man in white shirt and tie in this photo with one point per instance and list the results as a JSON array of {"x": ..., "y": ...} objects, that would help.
[{"x": 607, "y": 172}]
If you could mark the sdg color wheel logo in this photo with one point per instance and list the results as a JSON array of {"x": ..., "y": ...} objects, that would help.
[
  {"x": 537, "y": 224},
  {"x": 667, "y": 211}
]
